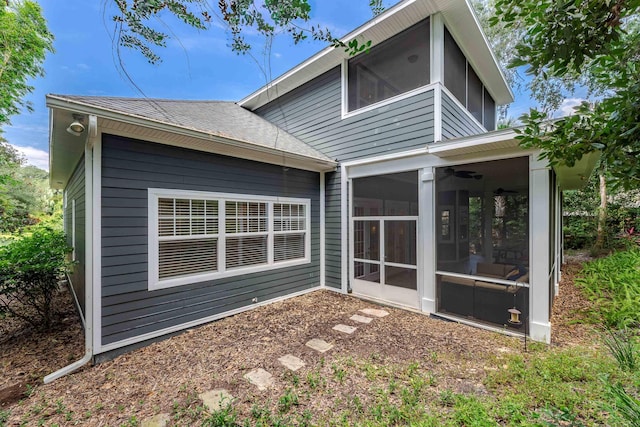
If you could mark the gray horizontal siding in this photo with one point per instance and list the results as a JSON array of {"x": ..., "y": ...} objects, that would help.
[
  {"x": 129, "y": 168},
  {"x": 76, "y": 191},
  {"x": 456, "y": 122},
  {"x": 312, "y": 113}
]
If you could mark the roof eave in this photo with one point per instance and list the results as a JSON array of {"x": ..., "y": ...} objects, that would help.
[
  {"x": 576, "y": 177},
  {"x": 315, "y": 164}
]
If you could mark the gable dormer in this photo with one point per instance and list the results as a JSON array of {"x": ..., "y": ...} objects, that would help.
[
  {"x": 429, "y": 76},
  {"x": 408, "y": 62}
]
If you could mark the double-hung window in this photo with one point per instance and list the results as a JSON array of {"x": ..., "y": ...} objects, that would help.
[{"x": 199, "y": 236}]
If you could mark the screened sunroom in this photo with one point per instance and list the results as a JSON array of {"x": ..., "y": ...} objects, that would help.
[{"x": 482, "y": 250}]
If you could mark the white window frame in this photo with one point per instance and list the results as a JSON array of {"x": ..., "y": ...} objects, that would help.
[{"x": 154, "y": 194}]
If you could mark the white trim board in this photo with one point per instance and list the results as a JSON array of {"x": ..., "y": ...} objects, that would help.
[
  {"x": 183, "y": 326},
  {"x": 96, "y": 239}
]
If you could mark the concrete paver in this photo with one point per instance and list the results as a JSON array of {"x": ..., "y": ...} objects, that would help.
[
  {"x": 160, "y": 420},
  {"x": 260, "y": 378},
  {"x": 360, "y": 319},
  {"x": 216, "y": 400},
  {"x": 345, "y": 328},
  {"x": 291, "y": 362},
  {"x": 319, "y": 345},
  {"x": 375, "y": 312}
]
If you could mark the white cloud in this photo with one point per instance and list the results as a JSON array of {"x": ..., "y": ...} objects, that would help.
[
  {"x": 567, "y": 107},
  {"x": 35, "y": 156}
]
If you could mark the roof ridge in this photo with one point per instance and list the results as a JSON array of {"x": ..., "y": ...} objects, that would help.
[{"x": 131, "y": 98}]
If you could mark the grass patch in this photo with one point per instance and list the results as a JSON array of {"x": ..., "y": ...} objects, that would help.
[
  {"x": 613, "y": 284},
  {"x": 570, "y": 381},
  {"x": 624, "y": 348}
]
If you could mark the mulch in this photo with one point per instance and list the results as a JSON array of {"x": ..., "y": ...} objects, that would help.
[{"x": 151, "y": 380}]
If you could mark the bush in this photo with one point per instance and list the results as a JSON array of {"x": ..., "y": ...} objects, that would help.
[{"x": 30, "y": 269}]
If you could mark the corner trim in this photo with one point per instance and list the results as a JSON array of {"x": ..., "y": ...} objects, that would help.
[
  {"x": 344, "y": 229},
  {"x": 323, "y": 231},
  {"x": 96, "y": 223},
  {"x": 464, "y": 110},
  {"x": 437, "y": 114}
]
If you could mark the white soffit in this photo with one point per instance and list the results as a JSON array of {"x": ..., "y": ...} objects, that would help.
[
  {"x": 492, "y": 141},
  {"x": 577, "y": 176},
  {"x": 457, "y": 13}
]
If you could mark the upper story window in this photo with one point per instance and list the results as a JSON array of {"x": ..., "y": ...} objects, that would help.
[
  {"x": 463, "y": 82},
  {"x": 391, "y": 68}
]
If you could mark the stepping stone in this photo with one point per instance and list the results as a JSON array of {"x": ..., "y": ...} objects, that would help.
[
  {"x": 344, "y": 328},
  {"x": 374, "y": 312},
  {"x": 260, "y": 378},
  {"x": 160, "y": 420},
  {"x": 360, "y": 319},
  {"x": 216, "y": 400},
  {"x": 291, "y": 362},
  {"x": 319, "y": 345}
]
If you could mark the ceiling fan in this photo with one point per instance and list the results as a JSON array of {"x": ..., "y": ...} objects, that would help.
[{"x": 461, "y": 173}]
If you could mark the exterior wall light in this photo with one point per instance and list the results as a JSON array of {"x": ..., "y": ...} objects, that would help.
[{"x": 76, "y": 127}]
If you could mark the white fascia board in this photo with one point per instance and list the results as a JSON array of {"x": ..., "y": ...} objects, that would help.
[
  {"x": 491, "y": 54},
  {"x": 312, "y": 163},
  {"x": 51, "y": 146}
]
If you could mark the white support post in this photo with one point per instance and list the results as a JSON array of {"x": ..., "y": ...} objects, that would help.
[
  {"x": 488, "y": 212},
  {"x": 427, "y": 236},
  {"x": 539, "y": 256},
  {"x": 437, "y": 48},
  {"x": 344, "y": 234},
  {"x": 437, "y": 72}
]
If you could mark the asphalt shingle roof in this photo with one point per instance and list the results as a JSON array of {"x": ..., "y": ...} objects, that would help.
[{"x": 220, "y": 118}]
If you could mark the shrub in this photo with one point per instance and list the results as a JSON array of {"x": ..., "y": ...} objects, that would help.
[
  {"x": 613, "y": 283},
  {"x": 30, "y": 269},
  {"x": 622, "y": 345}
]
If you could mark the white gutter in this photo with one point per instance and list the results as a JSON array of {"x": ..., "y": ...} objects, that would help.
[{"x": 88, "y": 275}]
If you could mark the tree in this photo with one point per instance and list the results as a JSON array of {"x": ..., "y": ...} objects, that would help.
[
  {"x": 24, "y": 43},
  {"x": 598, "y": 43},
  {"x": 135, "y": 22},
  {"x": 10, "y": 160}
]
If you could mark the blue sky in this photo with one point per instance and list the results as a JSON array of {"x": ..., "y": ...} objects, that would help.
[{"x": 196, "y": 64}]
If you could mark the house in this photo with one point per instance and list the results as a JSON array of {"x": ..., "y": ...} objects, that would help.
[{"x": 380, "y": 174}]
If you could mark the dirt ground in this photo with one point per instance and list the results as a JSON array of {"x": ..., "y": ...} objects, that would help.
[{"x": 167, "y": 374}]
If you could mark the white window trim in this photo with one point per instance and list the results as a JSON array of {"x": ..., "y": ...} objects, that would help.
[
  {"x": 156, "y": 193},
  {"x": 345, "y": 107}
]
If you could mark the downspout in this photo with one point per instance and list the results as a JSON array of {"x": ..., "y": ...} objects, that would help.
[{"x": 88, "y": 276}]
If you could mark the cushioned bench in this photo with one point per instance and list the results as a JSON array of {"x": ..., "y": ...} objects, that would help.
[{"x": 484, "y": 300}]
